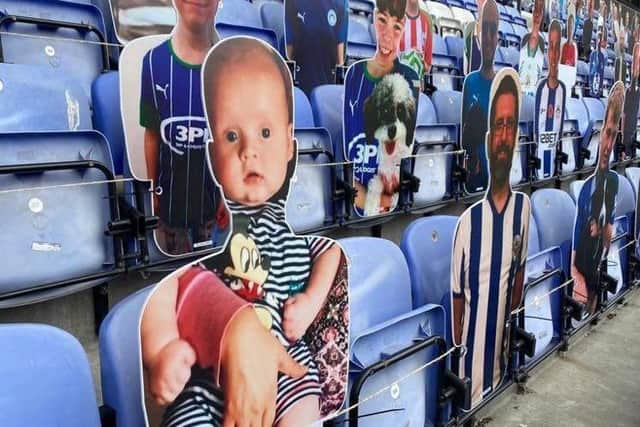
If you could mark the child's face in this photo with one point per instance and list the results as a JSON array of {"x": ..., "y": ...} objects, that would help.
[
  {"x": 389, "y": 30},
  {"x": 196, "y": 14},
  {"x": 252, "y": 136}
]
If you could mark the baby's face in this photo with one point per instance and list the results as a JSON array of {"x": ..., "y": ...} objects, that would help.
[{"x": 252, "y": 136}]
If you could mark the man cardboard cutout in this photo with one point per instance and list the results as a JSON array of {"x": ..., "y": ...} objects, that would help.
[
  {"x": 489, "y": 251},
  {"x": 166, "y": 131},
  {"x": 631, "y": 105},
  {"x": 532, "y": 52},
  {"x": 567, "y": 70},
  {"x": 380, "y": 111},
  {"x": 551, "y": 96},
  {"x": 270, "y": 301},
  {"x": 596, "y": 211},
  {"x": 475, "y": 102}
]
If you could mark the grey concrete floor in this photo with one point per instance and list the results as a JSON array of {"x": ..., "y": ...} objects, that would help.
[{"x": 596, "y": 383}]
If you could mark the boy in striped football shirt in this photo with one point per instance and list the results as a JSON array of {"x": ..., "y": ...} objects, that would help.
[{"x": 418, "y": 33}]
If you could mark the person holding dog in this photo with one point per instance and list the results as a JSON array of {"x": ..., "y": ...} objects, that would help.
[
  {"x": 489, "y": 251},
  {"x": 364, "y": 145}
]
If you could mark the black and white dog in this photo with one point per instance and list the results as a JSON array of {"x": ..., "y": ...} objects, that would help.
[{"x": 389, "y": 118}]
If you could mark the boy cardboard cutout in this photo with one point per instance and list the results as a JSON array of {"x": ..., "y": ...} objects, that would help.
[
  {"x": 567, "y": 70},
  {"x": 271, "y": 308},
  {"x": 532, "y": 52},
  {"x": 596, "y": 211},
  {"x": 550, "y": 103},
  {"x": 166, "y": 131},
  {"x": 418, "y": 38},
  {"x": 475, "y": 102},
  {"x": 380, "y": 110},
  {"x": 631, "y": 105},
  {"x": 316, "y": 36},
  {"x": 490, "y": 251}
]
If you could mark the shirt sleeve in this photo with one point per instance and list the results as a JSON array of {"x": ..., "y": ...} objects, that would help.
[
  {"x": 149, "y": 115},
  {"x": 318, "y": 246}
]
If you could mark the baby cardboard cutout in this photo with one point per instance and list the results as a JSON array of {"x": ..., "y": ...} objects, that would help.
[
  {"x": 380, "y": 110},
  {"x": 567, "y": 70},
  {"x": 551, "y": 96},
  {"x": 490, "y": 251},
  {"x": 267, "y": 285},
  {"x": 596, "y": 211},
  {"x": 475, "y": 102},
  {"x": 315, "y": 38},
  {"x": 166, "y": 131},
  {"x": 532, "y": 52}
]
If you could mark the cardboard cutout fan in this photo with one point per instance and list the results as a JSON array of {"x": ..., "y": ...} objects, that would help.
[
  {"x": 166, "y": 131},
  {"x": 475, "y": 102},
  {"x": 490, "y": 251},
  {"x": 596, "y": 211},
  {"x": 597, "y": 62},
  {"x": 567, "y": 70},
  {"x": 267, "y": 285},
  {"x": 380, "y": 110},
  {"x": 532, "y": 52},
  {"x": 631, "y": 106},
  {"x": 315, "y": 35},
  {"x": 551, "y": 96}
]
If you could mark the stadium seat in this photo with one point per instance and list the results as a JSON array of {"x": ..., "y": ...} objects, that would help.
[
  {"x": 271, "y": 13},
  {"x": 379, "y": 330},
  {"x": 445, "y": 23},
  {"x": 533, "y": 246},
  {"x": 239, "y": 12},
  {"x": 574, "y": 189},
  {"x": 463, "y": 16},
  {"x": 56, "y": 35},
  {"x": 574, "y": 127},
  {"x": 358, "y": 32},
  {"x": 46, "y": 378},
  {"x": 226, "y": 30},
  {"x": 633, "y": 174},
  {"x": 327, "y": 103},
  {"x": 444, "y": 71},
  {"x": 447, "y": 104},
  {"x": 360, "y": 42},
  {"x": 542, "y": 313},
  {"x": 432, "y": 164},
  {"x": 507, "y": 35},
  {"x": 309, "y": 205},
  {"x": 363, "y": 7},
  {"x": 427, "y": 244},
  {"x": 105, "y": 93},
  {"x": 57, "y": 209},
  {"x": 626, "y": 200},
  {"x": 520, "y": 30},
  {"x": 554, "y": 213},
  {"x": 455, "y": 48},
  {"x": 510, "y": 55},
  {"x": 56, "y": 102},
  {"x": 119, "y": 346},
  {"x": 516, "y": 18},
  {"x": 303, "y": 113}
]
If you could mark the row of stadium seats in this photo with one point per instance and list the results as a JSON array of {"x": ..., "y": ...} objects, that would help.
[{"x": 384, "y": 320}]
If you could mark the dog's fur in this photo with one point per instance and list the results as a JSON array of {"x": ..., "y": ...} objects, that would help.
[{"x": 389, "y": 118}]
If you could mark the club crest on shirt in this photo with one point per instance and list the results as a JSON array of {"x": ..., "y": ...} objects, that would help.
[{"x": 332, "y": 18}]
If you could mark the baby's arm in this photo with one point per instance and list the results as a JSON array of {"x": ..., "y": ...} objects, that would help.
[
  {"x": 300, "y": 310},
  {"x": 166, "y": 357}
]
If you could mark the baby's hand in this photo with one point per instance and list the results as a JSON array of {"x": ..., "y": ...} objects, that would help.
[
  {"x": 170, "y": 371},
  {"x": 299, "y": 312}
]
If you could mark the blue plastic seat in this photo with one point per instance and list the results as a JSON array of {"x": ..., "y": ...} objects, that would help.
[
  {"x": 358, "y": 31},
  {"x": 271, "y": 13},
  {"x": 107, "y": 119},
  {"x": 533, "y": 246},
  {"x": 455, "y": 48},
  {"x": 309, "y": 205},
  {"x": 427, "y": 245},
  {"x": 595, "y": 109},
  {"x": 303, "y": 113},
  {"x": 119, "y": 345},
  {"x": 447, "y": 104},
  {"x": 444, "y": 68},
  {"x": 507, "y": 34},
  {"x": 54, "y": 220},
  {"x": 360, "y": 44},
  {"x": 426, "y": 113},
  {"x": 59, "y": 46},
  {"x": 574, "y": 189},
  {"x": 239, "y": 12},
  {"x": 46, "y": 379},
  {"x": 229, "y": 30},
  {"x": 55, "y": 102},
  {"x": 633, "y": 174},
  {"x": 510, "y": 55},
  {"x": 383, "y": 323},
  {"x": 626, "y": 200},
  {"x": 554, "y": 213},
  {"x": 327, "y": 103}
]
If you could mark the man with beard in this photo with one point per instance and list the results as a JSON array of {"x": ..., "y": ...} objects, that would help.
[
  {"x": 489, "y": 251},
  {"x": 596, "y": 210},
  {"x": 475, "y": 101},
  {"x": 550, "y": 105},
  {"x": 631, "y": 104}
]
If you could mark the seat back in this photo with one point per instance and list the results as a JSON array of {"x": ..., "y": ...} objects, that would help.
[
  {"x": 554, "y": 213},
  {"x": 55, "y": 101},
  {"x": 626, "y": 200},
  {"x": 56, "y": 47},
  {"x": 309, "y": 205},
  {"x": 427, "y": 244},
  {"x": 107, "y": 118},
  {"x": 327, "y": 103},
  {"x": 271, "y": 13},
  {"x": 243, "y": 13},
  {"x": 447, "y": 105},
  {"x": 533, "y": 244},
  {"x": 574, "y": 189},
  {"x": 54, "y": 221},
  {"x": 303, "y": 113},
  {"x": 120, "y": 358},
  {"x": 426, "y": 113},
  {"x": 46, "y": 378}
]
